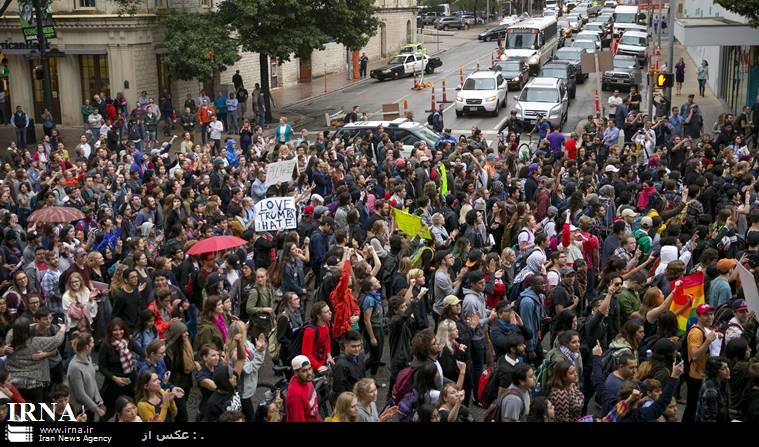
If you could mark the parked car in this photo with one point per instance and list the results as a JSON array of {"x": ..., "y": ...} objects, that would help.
[
  {"x": 510, "y": 20},
  {"x": 430, "y": 17},
  {"x": 406, "y": 131},
  {"x": 483, "y": 91},
  {"x": 516, "y": 72},
  {"x": 624, "y": 73},
  {"x": 470, "y": 20},
  {"x": 574, "y": 56},
  {"x": 413, "y": 48},
  {"x": 406, "y": 65},
  {"x": 563, "y": 70},
  {"x": 446, "y": 23},
  {"x": 493, "y": 33},
  {"x": 543, "y": 96}
]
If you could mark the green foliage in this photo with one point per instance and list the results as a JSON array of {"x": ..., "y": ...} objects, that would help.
[
  {"x": 280, "y": 28},
  {"x": 128, "y": 7},
  {"x": 199, "y": 45},
  {"x": 746, "y": 8}
]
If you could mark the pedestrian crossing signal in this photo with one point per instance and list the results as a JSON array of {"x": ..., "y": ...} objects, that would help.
[{"x": 664, "y": 80}]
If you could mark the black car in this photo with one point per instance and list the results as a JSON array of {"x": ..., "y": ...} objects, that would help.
[
  {"x": 562, "y": 70},
  {"x": 573, "y": 55},
  {"x": 493, "y": 33},
  {"x": 516, "y": 72}
]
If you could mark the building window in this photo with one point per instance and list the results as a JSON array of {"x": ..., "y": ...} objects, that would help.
[
  {"x": 161, "y": 4},
  {"x": 206, "y": 3},
  {"x": 38, "y": 90},
  {"x": 86, "y": 4},
  {"x": 164, "y": 80},
  {"x": 95, "y": 77}
]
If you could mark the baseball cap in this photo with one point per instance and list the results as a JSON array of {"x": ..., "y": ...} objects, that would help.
[
  {"x": 567, "y": 271},
  {"x": 704, "y": 308},
  {"x": 611, "y": 168},
  {"x": 724, "y": 265},
  {"x": 299, "y": 362},
  {"x": 627, "y": 212},
  {"x": 450, "y": 300},
  {"x": 308, "y": 209},
  {"x": 400, "y": 162},
  {"x": 647, "y": 222},
  {"x": 739, "y": 305}
]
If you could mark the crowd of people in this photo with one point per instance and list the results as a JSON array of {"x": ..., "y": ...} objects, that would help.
[{"x": 548, "y": 287}]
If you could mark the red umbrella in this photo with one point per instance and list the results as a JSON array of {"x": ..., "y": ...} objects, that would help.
[
  {"x": 216, "y": 243},
  {"x": 56, "y": 214}
]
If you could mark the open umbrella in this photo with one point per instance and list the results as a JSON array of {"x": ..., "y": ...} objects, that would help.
[
  {"x": 216, "y": 243},
  {"x": 56, "y": 214}
]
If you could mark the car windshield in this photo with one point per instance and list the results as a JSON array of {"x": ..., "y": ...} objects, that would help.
[
  {"x": 539, "y": 95},
  {"x": 521, "y": 40},
  {"x": 567, "y": 54},
  {"x": 407, "y": 50},
  {"x": 398, "y": 60},
  {"x": 588, "y": 44},
  {"x": 633, "y": 40},
  {"x": 426, "y": 134},
  {"x": 625, "y": 17},
  {"x": 508, "y": 67},
  {"x": 554, "y": 72},
  {"x": 479, "y": 84},
  {"x": 624, "y": 63},
  {"x": 593, "y": 27}
]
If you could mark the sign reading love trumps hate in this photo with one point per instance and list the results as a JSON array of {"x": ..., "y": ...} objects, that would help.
[{"x": 276, "y": 213}]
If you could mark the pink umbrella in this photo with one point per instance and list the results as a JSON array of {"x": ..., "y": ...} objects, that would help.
[
  {"x": 216, "y": 243},
  {"x": 56, "y": 214}
]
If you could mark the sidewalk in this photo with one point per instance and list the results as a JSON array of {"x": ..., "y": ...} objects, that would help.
[{"x": 711, "y": 105}]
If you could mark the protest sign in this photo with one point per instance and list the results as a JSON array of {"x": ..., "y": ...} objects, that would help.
[
  {"x": 410, "y": 224},
  {"x": 750, "y": 292},
  {"x": 281, "y": 171},
  {"x": 276, "y": 213}
]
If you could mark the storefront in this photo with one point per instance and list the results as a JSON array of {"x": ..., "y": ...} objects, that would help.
[{"x": 738, "y": 82}]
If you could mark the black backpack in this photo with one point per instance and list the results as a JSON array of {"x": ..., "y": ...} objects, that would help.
[
  {"x": 431, "y": 118},
  {"x": 296, "y": 347}
]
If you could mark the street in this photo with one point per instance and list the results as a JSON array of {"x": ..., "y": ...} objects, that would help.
[{"x": 463, "y": 49}]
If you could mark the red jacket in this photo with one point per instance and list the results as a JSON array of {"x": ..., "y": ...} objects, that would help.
[
  {"x": 160, "y": 325},
  {"x": 344, "y": 305}
]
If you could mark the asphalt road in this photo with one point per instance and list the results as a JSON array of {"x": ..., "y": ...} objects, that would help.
[{"x": 462, "y": 48}]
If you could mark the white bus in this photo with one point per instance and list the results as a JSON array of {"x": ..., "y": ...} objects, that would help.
[{"x": 534, "y": 40}]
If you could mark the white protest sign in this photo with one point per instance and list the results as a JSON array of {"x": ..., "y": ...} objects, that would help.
[
  {"x": 281, "y": 171},
  {"x": 750, "y": 292},
  {"x": 276, "y": 213}
]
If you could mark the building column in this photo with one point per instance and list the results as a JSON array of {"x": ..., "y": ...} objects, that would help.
[
  {"x": 121, "y": 67},
  {"x": 20, "y": 84},
  {"x": 69, "y": 75}
]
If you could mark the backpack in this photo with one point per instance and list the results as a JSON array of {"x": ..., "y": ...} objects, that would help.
[
  {"x": 722, "y": 323},
  {"x": 543, "y": 378},
  {"x": 430, "y": 118},
  {"x": 683, "y": 349},
  {"x": 296, "y": 348},
  {"x": 609, "y": 360},
  {"x": 404, "y": 383},
  {"x": 483, "y": 386},
  {"x": 273, "y": 346},
  {"x": 521, "y": 261},
  {"x": 494, "y": 411}
]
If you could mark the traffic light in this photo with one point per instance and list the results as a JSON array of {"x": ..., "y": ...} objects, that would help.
[{"x": 664, "y": 80}]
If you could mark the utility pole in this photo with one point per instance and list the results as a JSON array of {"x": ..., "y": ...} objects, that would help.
[
  {"x": 671, "y": 55},
  {"x": 42, "y": 45},
  {"x": 487, "y": 12},
  {"x": 651, "y": 74}
]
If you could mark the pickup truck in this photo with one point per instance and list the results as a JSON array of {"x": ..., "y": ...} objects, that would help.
[{"x": 405, "y": 65}]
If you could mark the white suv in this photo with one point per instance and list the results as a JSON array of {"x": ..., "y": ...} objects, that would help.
[
  {"x": 543, "y": 96},
  {"x": 483, "y": 91}
]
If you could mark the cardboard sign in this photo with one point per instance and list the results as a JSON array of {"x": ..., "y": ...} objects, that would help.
[
  {"x": 281, "y": 171},
  {"x": 750, "y": 292},
  {"x": 276, "y": 213},
  {"x": 605, "y": 61}
]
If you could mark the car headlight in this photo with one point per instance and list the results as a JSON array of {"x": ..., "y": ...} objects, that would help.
[
  {"x": 387, "y": 70},
  {"x": 459, "y": 99},
  {"x": 515, "y": 79},
  {"x": 533, "y": 60},
  {"x": 490, "y": 99},
  {"x": 518, "y": 107},
  {"x": 555, "y": 111}
]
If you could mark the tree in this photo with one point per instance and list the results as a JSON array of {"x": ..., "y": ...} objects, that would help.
[
  {"x": 281, "y": 28},
  {"x": 198, "y": 45},
  {"x": 746, "y": 8}
]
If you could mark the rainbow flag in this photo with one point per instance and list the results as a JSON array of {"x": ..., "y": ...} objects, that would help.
[{"x": 692, "y": 285}]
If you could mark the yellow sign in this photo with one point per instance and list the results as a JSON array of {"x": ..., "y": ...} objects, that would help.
[
  {"x": 664, "y": 80},
  {"x": 410, "y": 224}
]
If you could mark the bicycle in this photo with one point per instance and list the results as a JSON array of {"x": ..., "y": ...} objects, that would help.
[{"x": 323, "y": 387}]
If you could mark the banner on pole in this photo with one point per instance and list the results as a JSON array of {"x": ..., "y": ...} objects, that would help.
[
  {"x": 281, "y": 171},
  {"x": 410, "y": 224},
  {"x": 276, "y": 213},
  {"x": 28, "y": 20}
]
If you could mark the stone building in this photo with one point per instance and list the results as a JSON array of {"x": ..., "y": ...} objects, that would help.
[{"x": 102, "y": 52}]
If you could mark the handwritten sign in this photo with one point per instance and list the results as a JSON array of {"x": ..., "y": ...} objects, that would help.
[
  {"x": 410, "y": 224},
  {"x": 276, "y": 213},
  {"x": 281, "y": 171}
]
